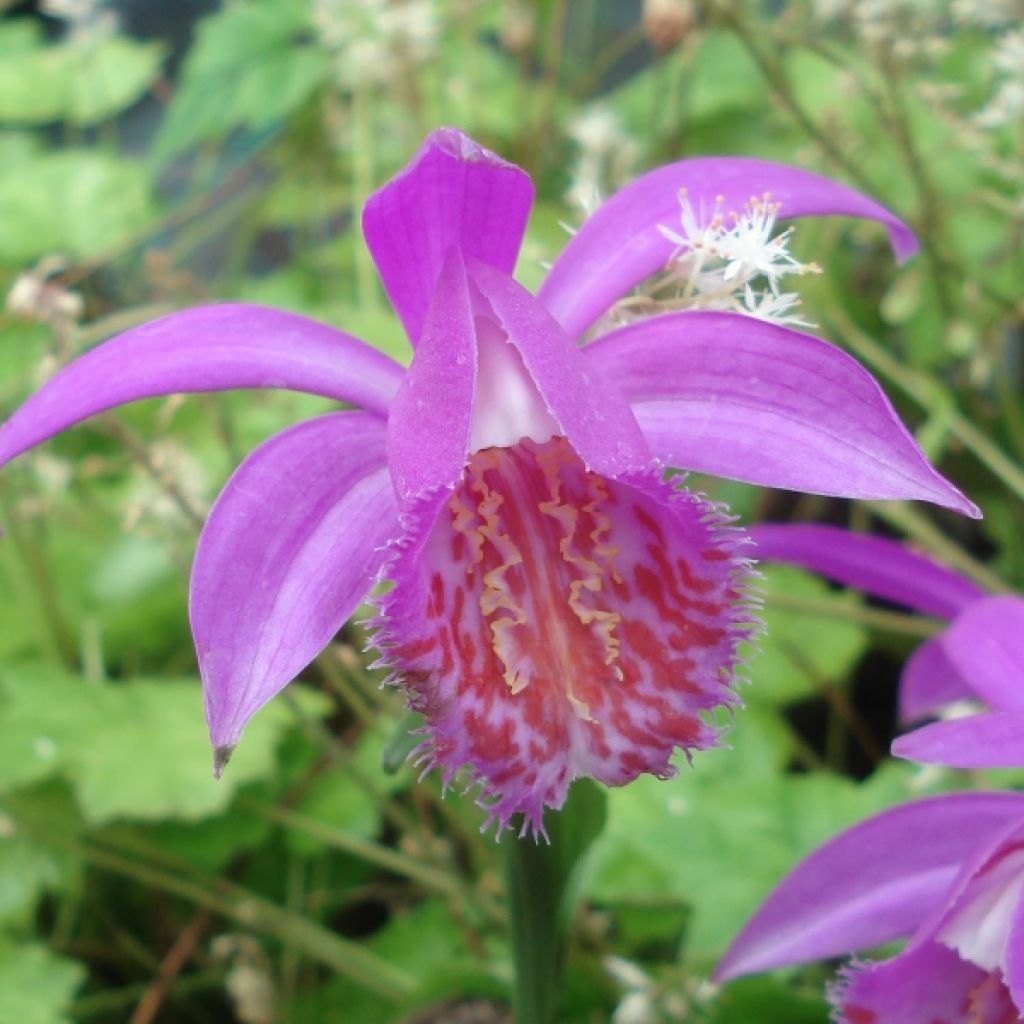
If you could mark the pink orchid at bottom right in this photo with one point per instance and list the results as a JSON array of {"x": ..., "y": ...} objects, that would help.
[
  {"x": 978, "y": 658},
  {"x": 949, "y": 873}
]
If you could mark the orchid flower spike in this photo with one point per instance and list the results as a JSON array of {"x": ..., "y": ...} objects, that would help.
[
  {"x": 978, "y": 658},
  {"x": 947, "y": 872},
  {"x": 558, "y": 609}
]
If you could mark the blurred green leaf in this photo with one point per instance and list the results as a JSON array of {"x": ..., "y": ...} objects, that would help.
[
  {"x": 801, "y": 652},
  {"x": 81, "y": 83},
  {"x": 28, "y": 867},
  {"x": 425, "y": 940},
  {"x": 719, "y": 838},
  {"x": 338, "y": 799},
  {"x": 253, "y": 58},
  {"x": 767, "y": 1001},
  {"x": 77, "y": 201},
  {"x": 135, "y": 750},
  {"x": 36, "y": 986}
]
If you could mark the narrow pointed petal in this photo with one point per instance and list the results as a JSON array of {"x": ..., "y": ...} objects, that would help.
[
  {"x": 987, "y": 740},
  {"x": 454, "y": 193},
  {"x": 620, "y": 245},
  {"x": 930, "y": 681},
  {"x": 730, "y": 395},
  {"x": 926, "y": 984},
  {"x": 986, "y": 645},
  {"x": 877, "y": 566},
  {"x": 873, "y": 883},
  {"x": 290, "y": 549},
  {"x": 590, "y": 412},
  {"x": 211, "y": 348},
  {"x": 431, "y": 417}
]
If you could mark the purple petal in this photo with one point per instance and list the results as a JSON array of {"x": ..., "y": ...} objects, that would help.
[
  {"x": 454, "y": 192},
  {"x": 880, "y": 567},
  {"x": 986, "y": 646},
  {"x": 290, "y": 549},
  {"x": 987, "y": 740},
  {"x": 930, "y": 681},
  {"x": 620, "y": 245},
  {"x": 211, "y": 348},
  {"x": 590, "y": 413},
  {"x": 926, "y": 984},
  {"x": 875, "y": 882},
  {"x": 730, "y": 395},
  {"x": 432, "y": 414}
]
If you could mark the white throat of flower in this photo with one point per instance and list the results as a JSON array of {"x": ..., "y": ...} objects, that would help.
[
  {"x": 979, "y": 928},
  {"x": 723, "y": 260}
]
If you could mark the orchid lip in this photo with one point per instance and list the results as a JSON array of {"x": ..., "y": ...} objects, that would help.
[{"x": 552, "y": 623}]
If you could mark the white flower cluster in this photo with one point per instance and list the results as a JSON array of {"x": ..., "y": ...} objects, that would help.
[
  {"x": 905, "y": 29},
  {"x": 732, "y": 261},
  {"x": 606, "y": 157},
  {"x": 154, "y": 502},
  {"x": 988, "y": 14},
  {"x": 370, "y": 40},
  {"x": 88, "y": 21},
  {"x": 735, "y": 261},
  {"x": 34, "y": 296},
  {"x": 1007, "y": 103}
]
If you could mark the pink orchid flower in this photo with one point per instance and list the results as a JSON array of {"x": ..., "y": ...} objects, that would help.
[
  {"x": 558, "y": 609},
  {"x": 979, "y": 657},
  {"x": 947, "y": 872}
]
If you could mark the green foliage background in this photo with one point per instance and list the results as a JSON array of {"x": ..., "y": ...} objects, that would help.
[{"x": 310, "y": 885}]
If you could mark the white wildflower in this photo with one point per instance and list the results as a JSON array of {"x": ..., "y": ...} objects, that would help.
[
  {"x": 988, "y": 14},
  {"x": 88, "y": 21},
  {"x": 607, "y": 156},
  {"x": 733, "y": 261},
  {"x": 375, "y": 41},
  {"x": 1007, "y": 103},
  {"x": 175, "y": 476},
  {"x": 34, "y": 296},
  {"x": 249, "y": 981}
]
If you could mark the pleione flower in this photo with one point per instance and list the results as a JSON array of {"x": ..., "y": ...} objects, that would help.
[
  {"x": 948, "y": 874},
  {"x": 978, "y": 658},
  {"x": 557, "y": 608}
]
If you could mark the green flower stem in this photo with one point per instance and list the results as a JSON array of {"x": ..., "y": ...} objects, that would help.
[
  {"x": 536, "y": 933},
  {"x": 541, "y": 881},
  {"x": 363, "y": 177},
  {"x": 901, "y": 623}
]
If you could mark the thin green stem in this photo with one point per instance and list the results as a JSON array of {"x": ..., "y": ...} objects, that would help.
[
  {"x": 249, "y": 910},
  {"x": 914, "y": 524},
  {"x": 435, "y": 879},
  {"x": 542, "y": 878},
  {"x": 876, "y": 618},
  {"x": 775, "y": 75},
  {"x": 362, "y": 184}
]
